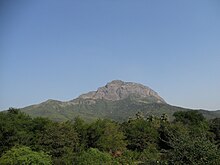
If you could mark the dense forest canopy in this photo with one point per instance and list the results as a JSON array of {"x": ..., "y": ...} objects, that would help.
[{"x": 188, "y": 139}]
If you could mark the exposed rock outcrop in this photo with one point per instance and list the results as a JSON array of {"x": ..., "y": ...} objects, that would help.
[{"x": 118, "y": 90}]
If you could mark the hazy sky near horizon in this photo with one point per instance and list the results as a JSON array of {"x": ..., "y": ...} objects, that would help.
[{"x": 52, "y": 49}]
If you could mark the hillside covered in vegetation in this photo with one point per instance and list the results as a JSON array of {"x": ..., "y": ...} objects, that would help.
[{"x": 117, "y": 100}]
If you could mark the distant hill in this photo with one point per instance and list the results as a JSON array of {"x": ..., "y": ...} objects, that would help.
[{"x": 117, "y": 100}]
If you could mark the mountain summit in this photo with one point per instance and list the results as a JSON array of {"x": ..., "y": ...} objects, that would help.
[
  {"x": 119, "y": 90},
  {"x": 116, "y": 100}
]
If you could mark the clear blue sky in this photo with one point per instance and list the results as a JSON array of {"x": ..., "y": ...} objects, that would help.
[{"x": 59, "y": 49}]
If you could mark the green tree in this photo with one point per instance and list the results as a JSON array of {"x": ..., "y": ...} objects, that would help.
[
  {"x": 59, "y": 139},
  {"x": 95, "y": 157},
  {"x": 81, "y": 128},
  {"x": 189, "y": 117},
  {"x": 194, "y": 120},
  {"x": 150, "y": 155},
  {"x": 13, "y": 110},
  {"x": 215, "y": 128},
  {"x": 190, "y": 150},
  {"x": 24, "y": 155},
  {"x": 128, "y": 157},
  {"x": 15, "y": 129},
  {"x": 167, "y": 131},
  {"x": 140, "y": 134},
  {"x": 106, "y": 136}
]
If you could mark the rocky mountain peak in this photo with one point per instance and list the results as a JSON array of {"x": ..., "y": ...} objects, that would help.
[
  {"x": 119, "y": 90},
  {"x": 116, "y": 82}
]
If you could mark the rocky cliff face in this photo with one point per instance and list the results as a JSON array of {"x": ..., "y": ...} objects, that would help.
[{"x": 119, "y": 90}]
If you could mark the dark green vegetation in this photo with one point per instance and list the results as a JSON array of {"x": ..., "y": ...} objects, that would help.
[
  {"x": 119, "y": 110},
  {"x": 188, "y": 139}
]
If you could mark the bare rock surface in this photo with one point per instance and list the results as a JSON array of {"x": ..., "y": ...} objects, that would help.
[{"x": 118, "y": 90}]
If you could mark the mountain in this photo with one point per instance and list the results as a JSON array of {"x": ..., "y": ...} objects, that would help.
[
  {"x": 119, "y": 90},
  {"x": 116, "y": 100}
]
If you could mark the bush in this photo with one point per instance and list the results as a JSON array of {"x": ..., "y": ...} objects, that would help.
[
  {"x": 95, "y": 157},
  {"x": 25, "y": 156}
]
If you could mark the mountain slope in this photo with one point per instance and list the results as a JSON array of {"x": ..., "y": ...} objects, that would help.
[{"x": 117, "y": 100}]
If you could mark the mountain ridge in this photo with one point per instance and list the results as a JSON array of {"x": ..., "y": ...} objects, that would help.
[{"x": 117, "y": 100}]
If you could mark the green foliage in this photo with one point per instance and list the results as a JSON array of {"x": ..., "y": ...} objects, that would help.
[
  {"x": 95, "y": 157},
  {"x": 189, "y": 139},
  {"x": 40, "y": 134},
  {"x": 128, "y": 157},
  {"x": 57, "y": 138},
  {"x": 150, "y": 155},
  {"x": 13, "y": 110},
  {"x": 166, "y": 133},
  {"x": 24, "y": 155},
  {"x": 215, "y": 128},
  {"x": 189, "y": 117},
  {"x": 195, "y": 121},
  {"x": 106, "y": 136},
  {"x": 81, "y": 128},
  {"x": 191, "y": 150},
  {"x": 14, "y": 129},
  {"x": 140, "y": 133}
]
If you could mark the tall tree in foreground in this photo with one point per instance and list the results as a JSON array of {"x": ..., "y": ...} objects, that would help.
[
  {"x": 140, "y": 133},
  {"x": 106, "y": 136},
  {"x": 59, "y": 139},
  {"x": 15, "y": 129}
]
